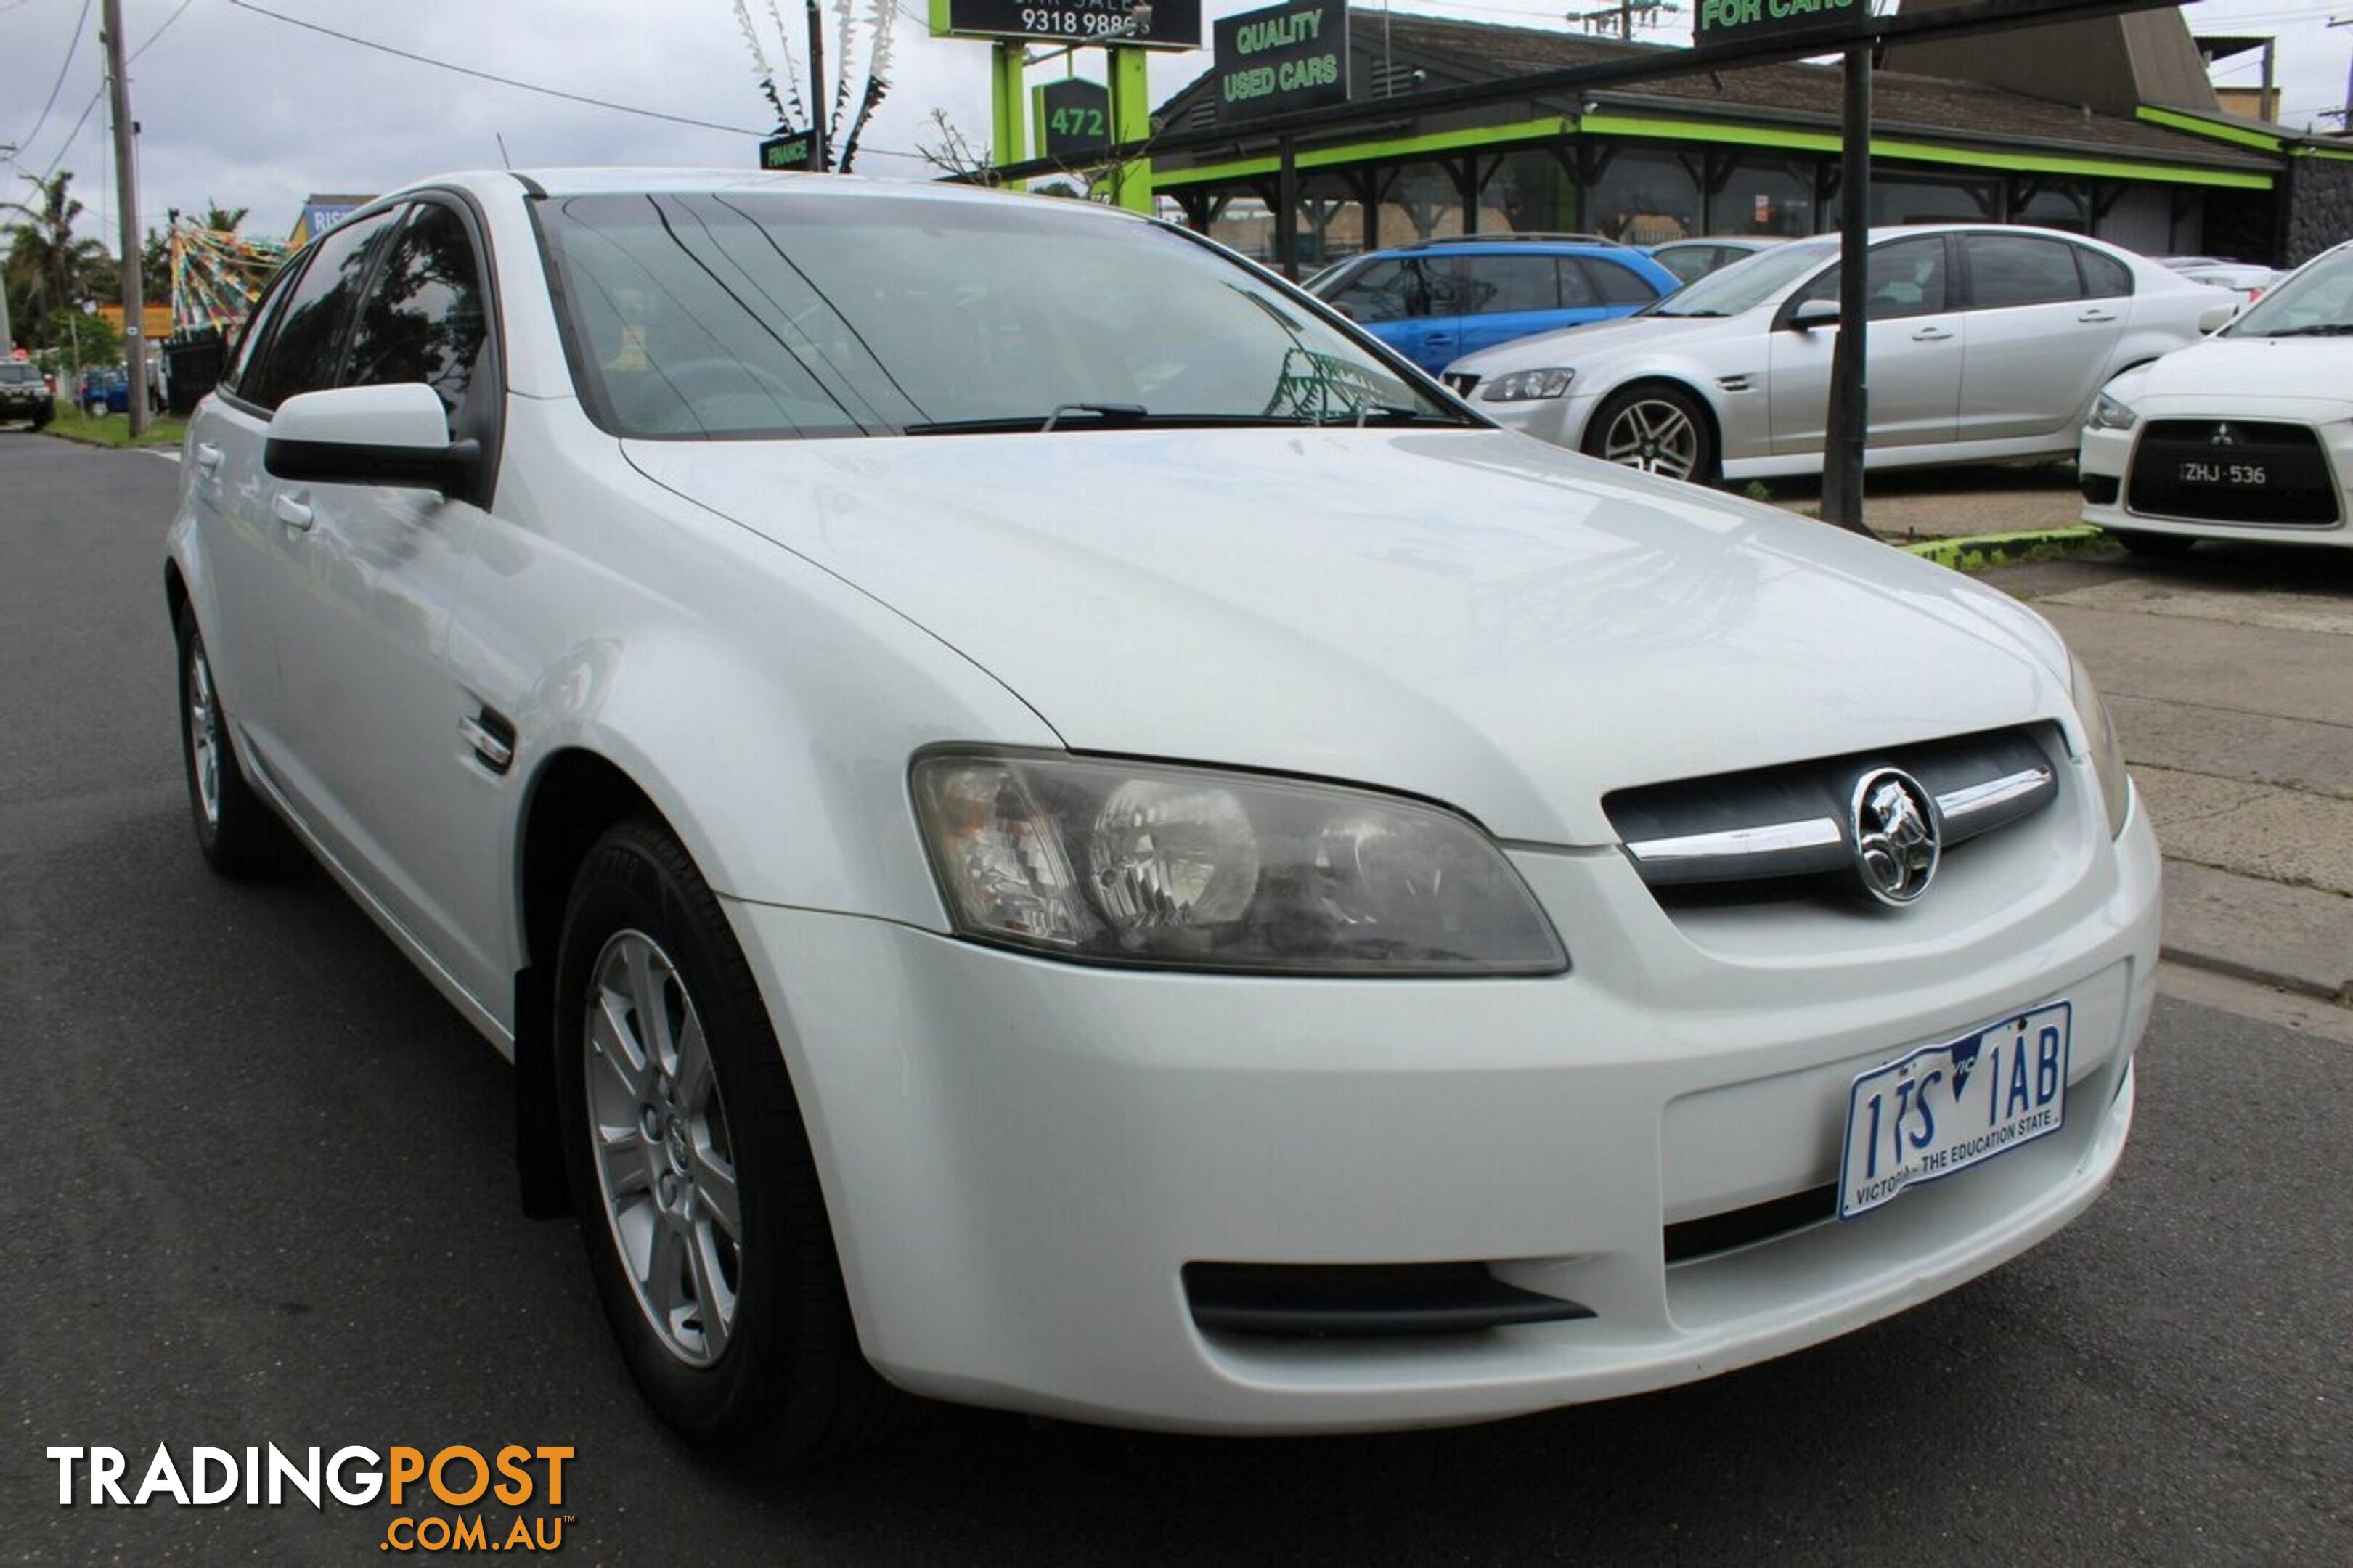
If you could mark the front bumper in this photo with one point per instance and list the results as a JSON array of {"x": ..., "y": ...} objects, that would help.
[
  {"x": 1022, "y": 1157},
  {"x": 2104, "y": 468}
]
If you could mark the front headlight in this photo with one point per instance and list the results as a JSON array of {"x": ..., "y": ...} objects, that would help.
[
  {"x": 1528, "y": 385},
  {"x": 2108, "y": 414},
  {"x": 2100, "y": 737},
  {"x": 1140, "y": 863}
]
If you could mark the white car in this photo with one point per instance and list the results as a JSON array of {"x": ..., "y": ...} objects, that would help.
[
  {"x": 1047, "y": 825},
  {"x": 2249, "y": 283},
  {"x": 2248, "y": 435},
  {"x": 1987, "y": 343}
]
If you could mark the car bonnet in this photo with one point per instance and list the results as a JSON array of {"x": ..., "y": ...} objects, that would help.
[{"x": 1465, "y": 615}]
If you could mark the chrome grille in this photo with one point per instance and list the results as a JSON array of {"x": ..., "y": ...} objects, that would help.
[{"x": 1777, "y": 829}]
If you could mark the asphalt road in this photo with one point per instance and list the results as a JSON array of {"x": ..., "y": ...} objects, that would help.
[{"x": 255, "y": 1186}]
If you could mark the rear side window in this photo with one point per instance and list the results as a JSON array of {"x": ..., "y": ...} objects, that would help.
[
  {"x": 306, "y": 342},
  {"x": 1501, "y": 284},
  {"x": 423, "y": 317},
  {"x": 1619, "y": 285},
  {"x": 2105, "y": 278},
  {"x": 2011, "y": 269},
  {"x": 1578, "y": 289}
]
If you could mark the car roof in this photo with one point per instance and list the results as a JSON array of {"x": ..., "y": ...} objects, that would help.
[{"x": 590, "y": 180}]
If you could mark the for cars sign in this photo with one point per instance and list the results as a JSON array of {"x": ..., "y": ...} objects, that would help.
[
  {"x": 1717, "y": 21},
  {"x": 1282, "y": 58}
]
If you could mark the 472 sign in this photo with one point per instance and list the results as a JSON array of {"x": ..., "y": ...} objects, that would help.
[{"x": 1072, "y": 117}]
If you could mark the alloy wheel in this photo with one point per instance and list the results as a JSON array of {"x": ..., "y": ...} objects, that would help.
[
  {"x": 205, "y": 736},
  {"x": 664, "y": 1156},
  {"x": 1656, "y": 436}
]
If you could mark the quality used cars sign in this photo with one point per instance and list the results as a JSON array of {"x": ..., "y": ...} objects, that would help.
[
  {"x": 501, "y": 1499},
  {"x": 1281, "y": 58}
]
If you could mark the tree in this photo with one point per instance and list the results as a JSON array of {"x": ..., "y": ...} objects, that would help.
[
  {"x": 155, "y": 267},
  {"x": 221, "y": 219},
  {"x": 50, "y": 273}
]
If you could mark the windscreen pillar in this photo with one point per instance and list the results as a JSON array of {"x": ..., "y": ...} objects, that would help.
[
  {"x": 1009, "y": 106},
  {"x": 1131, "y": 115}
]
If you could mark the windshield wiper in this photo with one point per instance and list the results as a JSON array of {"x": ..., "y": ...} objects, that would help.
[
  {"x": 1131, "y": 416},
  {"x": 1692, "y": 315},
  {"x": 1108, "y": 414},
  {"x": 2317, "y": 330}
]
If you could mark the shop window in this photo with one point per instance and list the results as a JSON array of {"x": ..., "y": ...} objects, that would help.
[
  {"x": 1644, "y": 197},
  {"x": 1763, "y": 196},
  {"x": 1529, "y": 193}
]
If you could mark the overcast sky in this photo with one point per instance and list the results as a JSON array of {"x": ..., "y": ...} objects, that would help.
[{"x": 254, "y": 111}]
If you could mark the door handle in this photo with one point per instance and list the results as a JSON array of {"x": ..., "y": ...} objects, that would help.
[
  {"x": 293, "y": 513},
  {"x": 1931, "y": 335},
  {"x": 2097, "y": 316},
  {"x": 207, "y": 455}
]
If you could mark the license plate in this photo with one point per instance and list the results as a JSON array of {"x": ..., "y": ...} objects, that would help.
[
  {"x": 1946, "y": 1107},
  {"x": 2248, "y": 474}
]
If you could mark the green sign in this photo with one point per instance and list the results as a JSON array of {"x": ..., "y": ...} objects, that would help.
[
  {"x": 1717, "y": 21},
  {"x": 789, "y": 150},
  {"x": 1072, "y": 116},
  {"x": 1282, "y": 58}
]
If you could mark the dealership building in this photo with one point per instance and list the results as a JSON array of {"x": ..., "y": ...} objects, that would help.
[{"x": 2108, "y": 127}]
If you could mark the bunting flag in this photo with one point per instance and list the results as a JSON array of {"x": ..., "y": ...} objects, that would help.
[{"x": 217, "y": 276}]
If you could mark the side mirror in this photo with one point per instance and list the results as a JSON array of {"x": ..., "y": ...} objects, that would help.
[
  {"x": 1815, "y": 313},
  {"x": 2216, "y": 316},
  {"x": 396, "y": 435}
]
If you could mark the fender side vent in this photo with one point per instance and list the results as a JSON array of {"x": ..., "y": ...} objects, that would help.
[{"x": 1347, "y": 1300}]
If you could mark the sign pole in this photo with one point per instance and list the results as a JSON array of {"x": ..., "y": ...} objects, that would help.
[
  {"x": 1849, "y": 409},
  {"x": 821, "y": 160},
  {"x": 1008, "y": 105},
  {"x": 1130, "y": 111}
]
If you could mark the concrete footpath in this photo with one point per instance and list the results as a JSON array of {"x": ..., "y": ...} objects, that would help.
[{"x": 2230, "y": 675}]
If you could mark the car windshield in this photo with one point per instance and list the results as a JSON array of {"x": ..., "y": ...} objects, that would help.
[
  {"x": 2316, "y": 302},
  {"x": 802, "y": 314},
  {"x": 1748, "y": 282},
  {"x": 10, "y": 372}
]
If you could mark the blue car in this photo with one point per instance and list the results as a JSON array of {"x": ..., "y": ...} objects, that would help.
[{"x": 1442, "y": 299}]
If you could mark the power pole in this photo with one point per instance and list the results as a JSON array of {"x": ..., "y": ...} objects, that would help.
[
  {"x": 7, "y": 337},
  {"x": 126, "y": 176}
]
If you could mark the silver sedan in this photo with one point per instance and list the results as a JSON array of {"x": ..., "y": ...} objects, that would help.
[{"x": 1988, "y": 342}]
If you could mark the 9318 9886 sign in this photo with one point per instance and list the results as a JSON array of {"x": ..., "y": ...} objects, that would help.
[{"x": 1161, "y": 25}]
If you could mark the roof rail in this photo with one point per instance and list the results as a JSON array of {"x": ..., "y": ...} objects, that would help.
[{"x": 1515, "y": 236}]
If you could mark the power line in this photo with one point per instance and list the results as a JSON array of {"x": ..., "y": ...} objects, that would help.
[
  {"x": 486, "y": 76},
  {"x": 73, "y": 45}
]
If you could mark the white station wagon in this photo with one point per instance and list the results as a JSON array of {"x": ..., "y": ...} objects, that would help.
[{"x": 1047, "y": 825}]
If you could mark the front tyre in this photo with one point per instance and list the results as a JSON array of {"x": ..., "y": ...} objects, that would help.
[
  {"x": 1658, "y": 429},
  {"x": 234, "y": 828},
  {"x": 692, "y": 1173}
]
